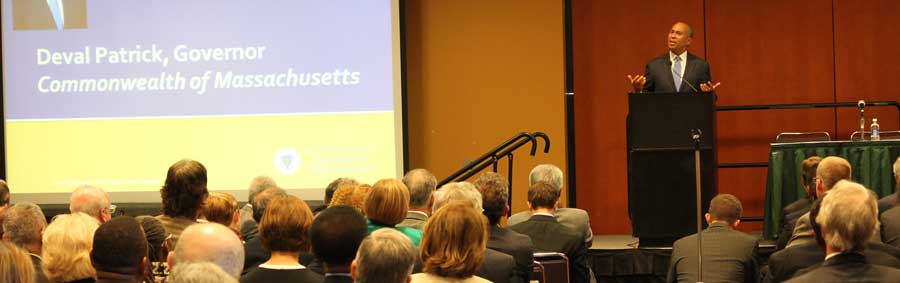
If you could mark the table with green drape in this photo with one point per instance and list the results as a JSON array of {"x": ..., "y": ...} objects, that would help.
[{"x": 871, "y": 162}]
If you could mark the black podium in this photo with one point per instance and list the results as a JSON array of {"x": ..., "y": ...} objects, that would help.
[{"x": 661, "y": 177}]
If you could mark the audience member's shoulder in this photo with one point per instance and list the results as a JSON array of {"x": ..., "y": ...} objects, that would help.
[{"x": 518, "y": 218}]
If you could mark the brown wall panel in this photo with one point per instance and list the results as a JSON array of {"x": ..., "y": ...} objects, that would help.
[
  {"x": 479, "y": 72},
  {"x": 867, "y": 34},
  {"x": 767, "y": 52},
  {"x": 613, "y": 39}
]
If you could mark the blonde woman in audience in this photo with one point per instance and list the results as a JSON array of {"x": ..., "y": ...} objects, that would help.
[
  {"x": 453, "y": 245},
  {"x": 386, "y": 206},
  {"x": 222, "y": 208},
  {"x": 284, "y": 230},
  {"x": 15, "y": 264},
  {"x": 67, "y": 244},
  {"x": 352, "y": 195}
]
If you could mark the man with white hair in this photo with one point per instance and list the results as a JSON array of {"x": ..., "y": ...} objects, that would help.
[
  {"x": 209, "y": 242},
  {"x": 890, "y": 218},
  {"x": 421, "y": 184},
  {"x": 385, "y": 256},
  {"x": 24, "y": 224},
  {"x": 249, "y": 227},
  {"x": 891, "y": 200},
  {"x": 92, "y": 201},
  {"x": 574, "y": 218},
  {"x": 200, "y": 272},
  {"x": 848, "y": 217},
  {"x": 498, "y": 267}
]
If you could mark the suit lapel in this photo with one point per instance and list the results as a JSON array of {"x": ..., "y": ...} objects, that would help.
[{"x": 688, "y": 69}]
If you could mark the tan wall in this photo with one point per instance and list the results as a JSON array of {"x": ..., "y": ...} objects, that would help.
[{"x": 479, "y": 72}]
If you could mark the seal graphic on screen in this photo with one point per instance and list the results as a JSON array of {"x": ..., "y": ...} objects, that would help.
[
  {"x": 49, "y": 14},
  {"x": 287, "y": 160}
]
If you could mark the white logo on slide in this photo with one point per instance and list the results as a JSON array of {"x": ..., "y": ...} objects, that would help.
[{"x": 287, "y": 160}]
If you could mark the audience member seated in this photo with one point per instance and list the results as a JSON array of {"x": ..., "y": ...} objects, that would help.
[
  {"x": 386, "y": 205},
  {"x": 890, "y": 219},
  {"x": 255, "y": 252},
  {"x": 4, "y": 202},
  {"x": 200, "y": 272},
  {"x": 67, "y": 244},
  {"x": 92, "y": 201},
  {"x": 331, "y": 188},
  {"x": 831, "y": 170},
  {"x": 848, "y": 216},
  {"x": 783, "y": 264},
  {"x": 336, "y": 233},
  {"x": 24, "y": 224},
  {"x": 494, "y": 190},
  {"x": 284, "y": 230},
  {"x": 574, "y": 218},
  {"x": 120, "y": 251},
  {"x": 891, "y": 200},
  {"x": 385, "y": 256},
  {"x": 498, "y": 267},
  {"x": 15, "y": 264},
  {"x": 453, "y": 245},
  {"x": 728, "y": 255},
  {"x": 421, "y": 185},
  {"x": 548, "y": 235},
  {"x": 157, "y": 248},
  {"x": 247, "y": 223},
  {"x": 221, "y": 208},
  {"x": 351, "y": 195},
  {"x": 793, "y": 211},
  {"x": 209, "y": 242},
  {"x": 182, "y": 196}
]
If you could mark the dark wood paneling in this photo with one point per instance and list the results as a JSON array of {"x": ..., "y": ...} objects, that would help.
[
  {"x": 613, "y": 39},
  {"x": 867, "y": 34}
]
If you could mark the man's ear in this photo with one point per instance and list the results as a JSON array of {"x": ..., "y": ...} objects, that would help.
[
  {"x": 144, "y": 268},
  {"x": 505, "y": 210},
  {"x": 529, "y": 205},
  {"x": 430, "y": 205},
  {"x": 353, "y": 270},
  {"x": 708, "y": 218},
  {"x": 736, "y": 223},
  {"x": 170, "y": 260}
]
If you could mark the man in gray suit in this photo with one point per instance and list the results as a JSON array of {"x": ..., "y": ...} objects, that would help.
[
  {"x": 831, "y": 170},
  {"x": 574, "y": 218},
  {"x": 677, "y": 70},
  {"x": 728, "y": 255},
  {"x": 421, "y": 184},
  {"x": 848, "y": 217}
]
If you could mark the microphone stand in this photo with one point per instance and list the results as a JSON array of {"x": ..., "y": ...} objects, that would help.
[
  {"x": 862, "y": 120},
  {"x": 695, "y": 135}
]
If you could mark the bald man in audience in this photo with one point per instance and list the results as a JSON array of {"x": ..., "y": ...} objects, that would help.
[
  {"x": 92, "y": 201},
  {"x": 498, "y": 267},
  {"x": 848, "y": 217},
  {"x": 421, "y": 184},
  {"x": 831, "y": 170},
  {"x": 209, "y": 242},
  {"x": 24, "y": 224},
  {"x": 728, "y": 255}
]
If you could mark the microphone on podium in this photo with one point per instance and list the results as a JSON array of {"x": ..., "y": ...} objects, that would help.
[{"x": 862, "y": 118}]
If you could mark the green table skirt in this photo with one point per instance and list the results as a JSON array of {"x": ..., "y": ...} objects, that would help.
[{"x": 871, "y": 161}]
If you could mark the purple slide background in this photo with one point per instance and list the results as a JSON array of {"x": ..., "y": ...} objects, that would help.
[{"x": 308, "y": 36}]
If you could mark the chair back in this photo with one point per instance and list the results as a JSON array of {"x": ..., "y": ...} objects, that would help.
[
  {"x": 790, "y": 137},
  {"x": 537, "y": 273},
  {"x": 555, "y": 266},
  {"x": 885, "y": 135}
]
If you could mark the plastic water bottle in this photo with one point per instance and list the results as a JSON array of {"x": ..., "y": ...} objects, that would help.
[{"x": 876, "y": 130}]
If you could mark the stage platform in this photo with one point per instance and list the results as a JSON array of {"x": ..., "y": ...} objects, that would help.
[{"x": 618, "y": 258}]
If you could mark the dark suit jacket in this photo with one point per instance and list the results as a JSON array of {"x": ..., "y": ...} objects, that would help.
[
  {"x": 338, "y": 279},
  {"x": 890, "y": 227},
  {"x": 254, "y": 254},
  {"x": 848, "y": 267},
  {"x": 790, "y": 214},
  {"x": 39, "y": 276},
  {"x": 728, "y": 256},
  {"x": 498, "y": 267},
  {"x": 784, "y": 264},
  {"x": 547, "y": 235},
  {"x": 659, "y": 74},
  {"x": 517, "y": 245},
  {"x": 887, "y": 202}
]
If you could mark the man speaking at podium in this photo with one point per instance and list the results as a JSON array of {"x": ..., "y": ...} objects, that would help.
[{"x": 677, "y": 70}]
